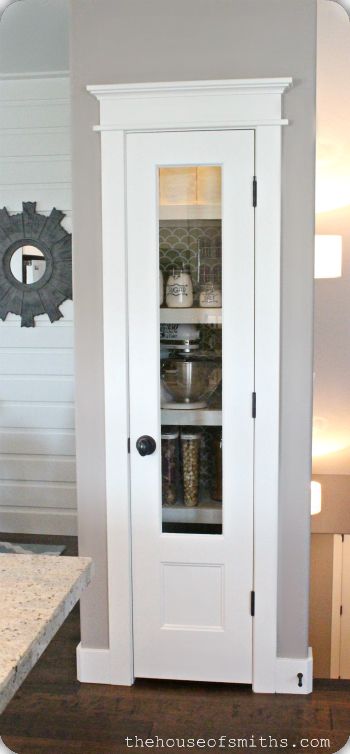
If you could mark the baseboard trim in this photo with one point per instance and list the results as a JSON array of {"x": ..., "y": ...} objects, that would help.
[
  {"x": 38, "y": 522},
  {"x": 287, "y": 669},
  {"x": 93, "y": 665},
  {"x": 96, "y": 666}
]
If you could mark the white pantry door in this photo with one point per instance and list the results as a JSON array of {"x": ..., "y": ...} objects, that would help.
[{"x": 192, "y": 566}]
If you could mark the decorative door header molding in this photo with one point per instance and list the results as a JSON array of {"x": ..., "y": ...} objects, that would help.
[
  {"x": 239, "y": 103},
  {"x": 161, "y": 88}
]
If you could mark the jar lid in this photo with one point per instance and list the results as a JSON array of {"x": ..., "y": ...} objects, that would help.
[
  {"x": 170, "y": 433},
  {"x": 190, "y": 435},
  {"x": 179, "y": 269}
]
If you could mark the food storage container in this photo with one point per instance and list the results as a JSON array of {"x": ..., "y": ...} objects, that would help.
[
  {"x": 179, "y": 290},
  {"x": 170, "y": 437},
  {"x": 210, "y": 296},
  {"x": 217, "y": 486},
  {"x": 190, "y": 446},
  {"x": 161, "y": 288}
]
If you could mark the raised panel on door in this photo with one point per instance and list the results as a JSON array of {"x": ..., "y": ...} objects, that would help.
[{"x": 190, "y": 213}]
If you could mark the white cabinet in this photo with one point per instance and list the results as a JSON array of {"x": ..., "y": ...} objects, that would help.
[{"x": 179, "y": 163}]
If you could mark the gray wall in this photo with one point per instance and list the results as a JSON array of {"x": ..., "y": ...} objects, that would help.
[{"x": 134, "y": 40}]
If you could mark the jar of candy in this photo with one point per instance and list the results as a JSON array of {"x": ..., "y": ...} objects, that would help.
[
  {"x": 190, "y": 446},
  {"x": 170, "y": 437}
]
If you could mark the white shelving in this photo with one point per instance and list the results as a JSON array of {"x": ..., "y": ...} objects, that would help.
[
  {"x": 203, "y": 316},
  {"x": 204, "y": 513},
  {"x": 199, "y": 417},
  {"x": 190, "y": 212}
]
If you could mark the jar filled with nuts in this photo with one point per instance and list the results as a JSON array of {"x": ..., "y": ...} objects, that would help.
[
  {"x": 170, "y": 437},
  {"x": 190, "y": 445}
]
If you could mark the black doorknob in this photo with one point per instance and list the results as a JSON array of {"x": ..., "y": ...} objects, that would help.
[{"x": 146, "y": 445}]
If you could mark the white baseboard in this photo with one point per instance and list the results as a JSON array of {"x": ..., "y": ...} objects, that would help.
[
  {"x": 287, "y": 669},
  {"x": 93, "y": 665},
  {"x": 97, "y": 666},
  {"x": 38, "y": 521}
]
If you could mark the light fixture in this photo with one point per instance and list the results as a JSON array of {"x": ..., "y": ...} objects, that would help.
[
  {"x": 328, "y": 256},
  {"x": 344, "y": 4},
  {"x": 4, "y": 4},
  {"x": 316, "y": 498}
]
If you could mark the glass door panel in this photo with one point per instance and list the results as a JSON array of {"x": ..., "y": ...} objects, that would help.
[{"x": 190, "y": 297}]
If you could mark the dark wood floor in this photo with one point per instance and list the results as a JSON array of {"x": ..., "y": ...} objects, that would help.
[{"x": 53, "y": 714}]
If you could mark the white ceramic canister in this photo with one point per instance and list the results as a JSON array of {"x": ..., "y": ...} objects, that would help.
[{"x": 179, "y": 290}]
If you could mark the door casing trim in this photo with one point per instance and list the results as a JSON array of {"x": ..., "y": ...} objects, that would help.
[{"x": 173, "y": 106}]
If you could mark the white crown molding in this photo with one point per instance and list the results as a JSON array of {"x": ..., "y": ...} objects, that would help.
[
  {"x": 187, "y": 105},
  {"x": 214, "y": 87}
]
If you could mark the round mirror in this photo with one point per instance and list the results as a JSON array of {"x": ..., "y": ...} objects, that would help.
[{"x": 28, "y": 264}]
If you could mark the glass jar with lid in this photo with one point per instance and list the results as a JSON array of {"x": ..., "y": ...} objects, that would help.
[
  {"x": 170, "y": 437},
  {"x": 190, "y": 447}
]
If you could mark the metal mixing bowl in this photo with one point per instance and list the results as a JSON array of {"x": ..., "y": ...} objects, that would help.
[{"x": 191, "y": 380}]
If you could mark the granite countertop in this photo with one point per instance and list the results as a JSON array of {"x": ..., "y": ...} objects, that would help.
[{"x": 37, "y": 592}]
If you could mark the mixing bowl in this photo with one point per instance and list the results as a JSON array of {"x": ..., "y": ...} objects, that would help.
[{"x": 190, "y": 381}]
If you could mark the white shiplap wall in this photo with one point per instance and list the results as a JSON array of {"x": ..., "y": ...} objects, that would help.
[{"x": 37, "y": 447}]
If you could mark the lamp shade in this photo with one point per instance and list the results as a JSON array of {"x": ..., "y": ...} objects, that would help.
[
  {"x": 316, "y": 498},
  {"x": 4, "y": 4},
  {"x": 344, "y": 4},
  {"x": 328, "y": 256}
]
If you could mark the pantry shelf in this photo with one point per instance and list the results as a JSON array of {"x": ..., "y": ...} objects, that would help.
[
  {"x": 205, "y": 316},
  {"x": 199, "y": 417},
  {"x": 204, "y": 513},
  {"x": 187, "y": 212}
]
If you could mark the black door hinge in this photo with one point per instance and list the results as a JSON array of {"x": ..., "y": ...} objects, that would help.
[
  {"x": 128, "y": 444},
  {"x": 252, "y": 604},
  {"x": 254, "y": 405},
  {"x": 255, "y": 192},
  {"x": 341, "y": 609},
  {"x": 342, "y": 537}
]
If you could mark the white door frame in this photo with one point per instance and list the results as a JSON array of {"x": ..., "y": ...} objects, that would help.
[{"x": 193, "y": 105}]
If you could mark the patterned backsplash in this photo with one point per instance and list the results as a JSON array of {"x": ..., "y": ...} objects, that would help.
[{"x": 179, "y": 242}]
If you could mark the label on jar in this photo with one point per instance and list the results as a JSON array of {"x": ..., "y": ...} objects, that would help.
[
  {"x": 177, "y": 290},
  {"x": 210, "y": 297}
]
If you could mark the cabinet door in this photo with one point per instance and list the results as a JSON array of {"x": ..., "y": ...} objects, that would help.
[{"x": 190, "y": 213}]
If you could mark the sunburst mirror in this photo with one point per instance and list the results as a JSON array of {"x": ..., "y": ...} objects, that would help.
[{"x": 35, "y": 264}]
